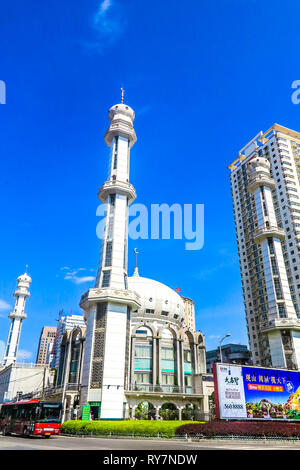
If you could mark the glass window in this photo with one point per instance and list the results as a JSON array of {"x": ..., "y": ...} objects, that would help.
[
  {"x": 167, "y": 353},
  {"x": 108, "y": 254},
  {"x": 168, "y": 379},
  {"x": 187, "y": 355},
  {"x": 143, "y": 351},
  {"x": 142, "y": 377},
  {"x": 106, "y": 278},
  {"x": 188, "y": 380}
]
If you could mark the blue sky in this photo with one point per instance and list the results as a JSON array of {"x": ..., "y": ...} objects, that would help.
[{"x": 203, "y": 77}]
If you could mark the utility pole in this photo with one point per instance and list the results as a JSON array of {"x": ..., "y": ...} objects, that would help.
[{"x": 43, "y": 388}]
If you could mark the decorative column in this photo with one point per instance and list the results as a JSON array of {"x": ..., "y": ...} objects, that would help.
[
  {"x": 154, "y": 362},
  {"x": 182, "y": 364},
  {"x": 132, "y": 356},
  {"x": 178, "y": 364},
  {"x": 157, "y": 408},
  {"x": 159, "y": 360},
  {"x": 17, "y": 316}
]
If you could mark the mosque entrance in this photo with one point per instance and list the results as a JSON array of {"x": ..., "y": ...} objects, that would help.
[
  {"x": 169, "y": 411},
  {"x": 189, "y": 412},
  {"x": 95, "y": 410},
  {"x": 145, "y": 410}
]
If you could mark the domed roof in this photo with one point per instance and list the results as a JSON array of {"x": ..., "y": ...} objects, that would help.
[
  {"x": 259, "y": 161},
  {"x": 121, "y": 108},
  {"x": 157, "y": 300},
  {"x": 24, "y": 277}
]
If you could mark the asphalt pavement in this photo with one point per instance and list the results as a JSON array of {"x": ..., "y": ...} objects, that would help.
[{"x": 99, "y": 443}]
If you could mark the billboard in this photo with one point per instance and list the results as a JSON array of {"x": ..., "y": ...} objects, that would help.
[{"x": 245, "y": 392}]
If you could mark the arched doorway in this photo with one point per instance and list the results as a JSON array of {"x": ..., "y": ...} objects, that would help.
[
  {"x": 189, "y": 412},
  {"x": 145, "y": 410},
  {"x": 169, "y": 411}
]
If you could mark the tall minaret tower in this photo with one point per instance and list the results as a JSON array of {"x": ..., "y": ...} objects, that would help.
[
  {"x": 107, "y": 307},
  {"x": 16, "y": 316}
]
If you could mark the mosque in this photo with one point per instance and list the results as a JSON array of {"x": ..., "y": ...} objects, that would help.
[{"x": 136, "y": 356}]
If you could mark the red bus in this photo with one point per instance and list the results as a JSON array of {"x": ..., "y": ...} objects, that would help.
[{"x": 30, "y": 418}]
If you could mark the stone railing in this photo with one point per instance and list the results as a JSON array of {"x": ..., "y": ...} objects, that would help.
[
  {"x": 268, "y": 232},
  {"x": 168, "y": 389}
]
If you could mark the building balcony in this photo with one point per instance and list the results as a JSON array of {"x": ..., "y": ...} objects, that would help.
[
  {"x": 106, "y": 294},
  {"x": 280, "y": 323},
  {"x": 260, "y": 180},
  {"x": 138, "y": 389},
  {"x": 261, "y": 234}
]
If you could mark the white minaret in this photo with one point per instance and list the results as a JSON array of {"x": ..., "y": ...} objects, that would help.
[
  {"x": 107, "y": 307},
  {"x": 16, "y": 316}
]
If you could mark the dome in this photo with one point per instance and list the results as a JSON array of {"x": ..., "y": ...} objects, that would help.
[
  {"x": 24, "y": 278},
  {"x": 258, "y": 162},
  {"x": 158, "y": 301},
  {"x": 121, "y": 108}
]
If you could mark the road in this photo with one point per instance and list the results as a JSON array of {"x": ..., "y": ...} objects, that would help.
[{"x": 90, "y": 443}]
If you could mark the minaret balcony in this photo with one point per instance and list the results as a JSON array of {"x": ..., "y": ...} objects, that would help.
[
  {"x": 96, "y": 295},
  {"x": 120, "y": 127},
  {"x": 117, "y": 187},
  {"x": 261, "y": 234},
  {"x": 23, "y": 293},
  {"x": 16, "y": 314},
  {"x": 260, "y": 180}
]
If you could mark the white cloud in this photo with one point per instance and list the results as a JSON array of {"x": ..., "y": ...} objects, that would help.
[
  {"x": 72, "y": 275},
  {"x": 79, "y": 280},
  {"x": 4, "y": 305},
  {"x": 23, "y": 354},
  {"x": 108, "y": 25},
  {"x": 104, "y": 6},
  {"x": 2, "y": 348}
]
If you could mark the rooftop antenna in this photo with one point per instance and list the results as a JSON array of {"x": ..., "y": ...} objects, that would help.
[{"x": 122, "y": 95}]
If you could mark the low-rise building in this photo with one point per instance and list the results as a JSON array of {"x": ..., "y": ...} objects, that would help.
[
  {"x": 231, "y": 354},
  {"x": 17, "y": 380}
]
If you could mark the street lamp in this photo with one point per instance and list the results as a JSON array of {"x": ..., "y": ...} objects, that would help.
[{"x": 220, "y": 349}]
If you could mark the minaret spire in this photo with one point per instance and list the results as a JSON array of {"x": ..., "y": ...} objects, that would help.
[
  {"x": 136, "y": 270},
  {"x": 17, "y": 316},
  {"x": 122, "y": 95}
]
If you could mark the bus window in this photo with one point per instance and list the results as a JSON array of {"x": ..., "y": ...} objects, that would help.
[{"x": 50, "y": 412}]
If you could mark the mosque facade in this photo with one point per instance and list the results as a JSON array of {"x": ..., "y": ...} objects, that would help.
[{"x": 136, "y": 356}]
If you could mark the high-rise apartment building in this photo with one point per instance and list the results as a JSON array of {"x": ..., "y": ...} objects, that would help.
[
  {"x": 266, "y": 202},
  {"x": 47, "y": 338},
  {"x": 189, "y": 307}
]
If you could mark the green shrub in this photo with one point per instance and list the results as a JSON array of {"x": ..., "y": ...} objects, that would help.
[
  {"x": 138, "y": 428},
  {"x": 242, "y": 428}
]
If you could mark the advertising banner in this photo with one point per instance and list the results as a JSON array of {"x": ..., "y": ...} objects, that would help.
[
  {"x": 230, "y": 392},
  {"x": 256, "y": 392}
]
